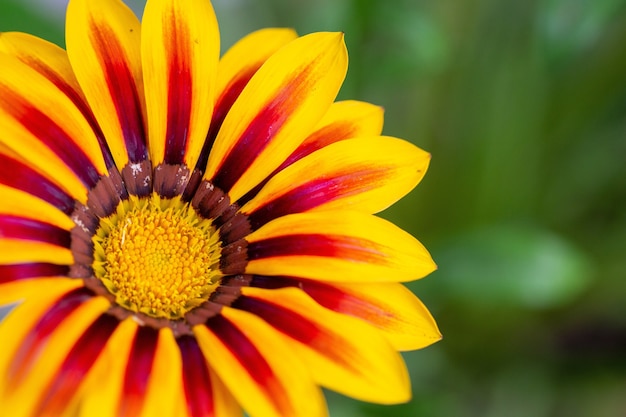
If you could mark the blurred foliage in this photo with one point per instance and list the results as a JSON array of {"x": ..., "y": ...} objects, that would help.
[{"x": 522, "y": 105}]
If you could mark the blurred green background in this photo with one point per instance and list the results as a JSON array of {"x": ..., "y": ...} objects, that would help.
[{"x": 523, "y": 105}]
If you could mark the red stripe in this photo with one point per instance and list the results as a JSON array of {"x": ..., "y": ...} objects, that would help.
[
  {"x": 14, "y": 173},
  {"x": 222, "y": 107},
  {"x": 315, "y": 193},
  {"x": 17, "y": 272},
  {"x": 138, "y": 371},
  {"x": 196, "y": 379},
  {"x": 326, "y": 295},
  {"x": 318, "y": 140},
  {"x": 261, "y": 130},
  {"x": 179, "y": 94},
  {"x": 50, "y": 134},
  {"x": 252, "y": 360},
  {"x": 123, "y": 89},
  {"x": 35, "y": 341},
  {"x": 76, "y": 366},
  {"x": 78, "y": 101},
  {"x": 344, "y": 247},
  {"x": 28, "y": 229},
  {"x": 332, "y": 133},
  {"x": 299, "y": 328}
]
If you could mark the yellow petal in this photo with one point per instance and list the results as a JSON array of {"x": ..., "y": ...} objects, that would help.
[
  {"x": 17, "y": 251},
  {"x": 234, "y": 71},
  {"x": 103, "y": 45},
  {"x": 258, "y": 368},
  {"x": 19, "y": 203},
  {"x": 366, "y": 174},
  {"x": 344, "y": 120},
  {"x": 42, "y": 125},
  {"x": 397, "y": 313},
  {"x": 275, "y": 112},
  {"x": 99, "y": 392},
  {"x": 164, "y": 379},
  {"x": 52, "y": 62},
  {"x": 339, "y": 246},
  {"x": 15, "y": 291},
  {"x": 180, "y": 50},
  {"x": 24, "y": 399},
  {"x": 343, "y": 353}
]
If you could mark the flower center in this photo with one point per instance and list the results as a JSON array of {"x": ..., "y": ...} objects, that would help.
[{"x": 157, "y": 256}]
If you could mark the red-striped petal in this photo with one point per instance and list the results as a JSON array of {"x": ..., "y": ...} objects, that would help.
[
  {"x": 76, "y": 366},
  {"x": 365, "y": 174},
  {"x": 138, "y": 371},
  {"x": 16, "y": 272},
  {"x": 52, "y": 62},
  {"x": 14, "y": 227},
  {"x": 34, "y": 341},
  {"x": 336, "y": 245},
  {"x": 265, "y": 377},
  {"x": 103, "y": 45},
  {"x": 196, "y": 379},
  {"x": 235, "y": 69},
  {"x": 180, "y": 52},
  {"x": 342, "y": 353},
  {"x": 21, "y": 176},
  {"x": 276, "y": 110}
]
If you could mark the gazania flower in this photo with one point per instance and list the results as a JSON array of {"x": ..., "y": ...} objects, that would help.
[{"x": 192, "y": 236}]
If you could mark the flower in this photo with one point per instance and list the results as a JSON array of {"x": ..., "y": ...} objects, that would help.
[{"x": 190, "y": 236}]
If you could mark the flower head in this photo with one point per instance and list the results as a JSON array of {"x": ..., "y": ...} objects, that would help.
[{"x": 193, "y": 236}]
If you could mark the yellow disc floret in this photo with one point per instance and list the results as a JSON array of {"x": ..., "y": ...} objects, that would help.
[{"x": 157, "y": 256}]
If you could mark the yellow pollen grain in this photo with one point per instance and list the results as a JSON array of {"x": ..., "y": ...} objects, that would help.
[{"x": 157, "y": 257}]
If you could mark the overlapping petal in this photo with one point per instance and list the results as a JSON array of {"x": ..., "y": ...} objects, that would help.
[
  {"x": 339, "y": 246},
  {"x": 343, "y": 120},
  {"x": 365, "y": 174},
  {"x": 203, "y": 391},
  {"x": 52, "y": 62},
  {"x": 342, "y": 353},
  {"x": 180, "y": 50},
  {"x": 43, "y": 126},
  {"x": 95, "y": 370},
  {"x": 392, "y": 308},
  {"x": 276, "y": 110},
  {"x": 234, "y": 71},
  {"x": 39, "y": 336},
  {"x": 103, "y": 45},
  {"x": 259, "y": 368}
]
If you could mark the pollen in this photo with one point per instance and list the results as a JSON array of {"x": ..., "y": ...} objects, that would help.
[{"x": 157, "y": 256}]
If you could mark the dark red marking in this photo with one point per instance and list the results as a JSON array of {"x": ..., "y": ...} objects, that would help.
[
  {"x": 35, "y": 340},
  {"x": 78, "y": 101},
  {"x": 196, "y": 379},
  {"x": 298, "y": 328},
  {"x": 344, "y": 247},
  {"x": 16, "y": 272},
  {"x": 138, "y": 371},
  {"x": 261, "y": 130},
  {"x": 317, "y": 140},
  {"x": 76, "y": 365},
  {"x": 222, "y": 107},
  {"x": 16, "y": 174},
  {"x": 179, "y": 94},
  {"x": 326, "y": 295},
  {"x": 315, "y": 193},
  {"x": 28, "y": 229},
  {"x": 252, "y": 360},
  {"x": 51, "y": 134},
  {"x": 320, "y": 139},
  {"x": 123, "y": 89}
]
